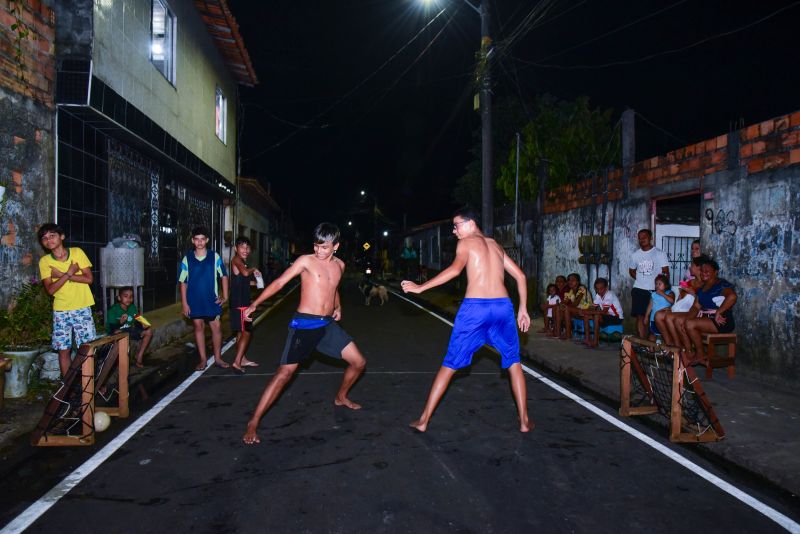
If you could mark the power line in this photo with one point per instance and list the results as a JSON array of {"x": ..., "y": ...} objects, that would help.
[
  {"x": 665, "y": 52},
  {"x": 284, "y": 121},
  {"x": 346, "y": 95},
  {"x": 416, "y": 60},
  {"x": 657, "y": 127},
  {"x": 611, "y": 32}
]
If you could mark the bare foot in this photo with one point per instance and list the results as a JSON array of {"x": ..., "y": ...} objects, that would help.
[
  {"x": 201, "y": 365},
  {"x": 347, "y": 403},
  {"x": 526, "y": 426},
  {"x": 139, "y": 364},
  {"x": 221, "y": 363},
  {"x": 419, "y": 425},
  {"x": 250, "y": 437},
  {"x": 248, "y": 363}
]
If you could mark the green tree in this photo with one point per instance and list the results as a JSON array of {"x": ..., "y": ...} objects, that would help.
[
  {"x": 509, "y": 115},
  {"x": 573, "y": 138}
]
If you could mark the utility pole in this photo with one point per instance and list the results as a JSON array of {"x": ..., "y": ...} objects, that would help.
[{"x": 487, "y": 184}]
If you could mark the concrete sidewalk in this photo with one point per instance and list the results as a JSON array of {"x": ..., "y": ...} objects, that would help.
[{"x": 762, "y": 423}]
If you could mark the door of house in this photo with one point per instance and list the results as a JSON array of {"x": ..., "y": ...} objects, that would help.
[{"x": 677, "y": 226}]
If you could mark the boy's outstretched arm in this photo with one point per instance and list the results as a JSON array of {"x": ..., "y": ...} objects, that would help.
[
  {"x": 453, "y": 270},
  {"x": 294, "y": 269},
  {"x": 523, "y": 319}
]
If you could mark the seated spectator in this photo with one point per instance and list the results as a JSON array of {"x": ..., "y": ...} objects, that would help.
[
  {"x": 124, "y": 317},
  {"x": 670, "y": 320},
  {"x": 695, "y": 253},
  {"x": 606, "y": 301},
  {"x": 714, "y": 303},
  {"x": 575, "y": 299},
  {"x": 553, "y": 300},
  {"x": 561, "y": 286},
  {"x": 660, "y": 299}
]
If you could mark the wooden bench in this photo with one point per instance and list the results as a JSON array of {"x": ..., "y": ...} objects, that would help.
[
  {"x": 713, "y": 360},
  {"x": 5, "y": 365}
]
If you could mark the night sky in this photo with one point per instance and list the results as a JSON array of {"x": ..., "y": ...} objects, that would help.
[{"x": 338, "y": 110}]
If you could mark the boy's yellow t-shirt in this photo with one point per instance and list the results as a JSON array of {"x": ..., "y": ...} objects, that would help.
[{"x": 72, "y": 295}]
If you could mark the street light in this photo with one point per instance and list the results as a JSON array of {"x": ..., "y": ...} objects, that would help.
[{"x": 484, "y": 72}]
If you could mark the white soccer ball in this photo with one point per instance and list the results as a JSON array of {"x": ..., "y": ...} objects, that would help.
[{"x": 101, "y": 421}]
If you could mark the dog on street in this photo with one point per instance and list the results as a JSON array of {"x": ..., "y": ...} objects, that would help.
[{"x": 371, "y": 291}]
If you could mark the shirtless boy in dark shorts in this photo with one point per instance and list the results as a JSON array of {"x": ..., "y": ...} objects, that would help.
[
  {"x": 486, "y": 313},
  {"x": 314, "y": 326}
]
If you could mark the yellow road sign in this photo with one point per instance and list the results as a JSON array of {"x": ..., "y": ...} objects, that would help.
[{"x": 366, "y": 246}]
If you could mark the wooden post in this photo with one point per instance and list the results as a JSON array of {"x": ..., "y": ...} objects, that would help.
[
  {"x": 625, "y": 379},
  {"x": 675, "y": 415},
  {"x": 87, "y": 397}
]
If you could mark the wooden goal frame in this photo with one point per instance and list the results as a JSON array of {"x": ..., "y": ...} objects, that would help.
[
  {"x": 83, "y": 369},
  {"x": 684, "y": 379}
]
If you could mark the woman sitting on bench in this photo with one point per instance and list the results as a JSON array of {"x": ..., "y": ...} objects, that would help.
[
  {"x": 670, "y": 320},
  {"x": 714, "y": 303}
]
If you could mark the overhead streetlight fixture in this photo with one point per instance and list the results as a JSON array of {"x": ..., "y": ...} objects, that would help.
[
  {"x": 349, "y": 223},
  {"x": 385, "y": 233}
]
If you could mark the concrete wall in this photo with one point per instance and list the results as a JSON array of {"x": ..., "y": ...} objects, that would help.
[
  {"x": 26, "y": 144},
  {"x": 757, "y": 249},
  {"x": 26, "y": 160},
  {"x": 750, "y": 182},
  {"x": 185, "y": 110}
]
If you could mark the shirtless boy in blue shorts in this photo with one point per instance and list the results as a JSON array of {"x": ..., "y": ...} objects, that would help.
[
  {"x": 486, "y": 314},
  {"x": 314, "y": 325}
]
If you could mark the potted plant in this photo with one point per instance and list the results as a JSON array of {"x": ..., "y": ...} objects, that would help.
[{"x": 25, "y": 325}]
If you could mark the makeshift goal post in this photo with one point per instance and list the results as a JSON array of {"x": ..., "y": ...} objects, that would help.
[
  {"x": 69, "y": 415},
  {"x": 655, "y": 378}
]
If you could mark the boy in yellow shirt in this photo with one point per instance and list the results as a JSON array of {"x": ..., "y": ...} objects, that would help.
[{"x": 66, "y": 274}]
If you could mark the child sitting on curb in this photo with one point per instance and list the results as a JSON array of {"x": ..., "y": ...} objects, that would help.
[{"x": 125, "y": 317}]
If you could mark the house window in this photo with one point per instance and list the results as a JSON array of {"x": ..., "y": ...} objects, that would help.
[
  {"x": 162, "y": 40},
  {"x": 221, "y": 115}
]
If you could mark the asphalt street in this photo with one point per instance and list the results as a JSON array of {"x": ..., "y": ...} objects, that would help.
[{"x": 321, "y": 468}]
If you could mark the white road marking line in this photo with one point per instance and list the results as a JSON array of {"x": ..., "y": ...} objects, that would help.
[
  {"x": 768, "y": 511},
  {"x": 301, "y": 374},
  {"x": 35, "y": 510}
]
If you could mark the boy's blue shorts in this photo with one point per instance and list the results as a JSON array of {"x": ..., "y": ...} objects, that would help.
[{"x": 482, "y": 321}]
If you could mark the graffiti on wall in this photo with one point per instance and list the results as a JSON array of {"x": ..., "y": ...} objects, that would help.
[{"x": 723, "y": 222}]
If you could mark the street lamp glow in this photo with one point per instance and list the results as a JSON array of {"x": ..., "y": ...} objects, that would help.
[
  {"x": 385, "y": 233},
  {"x": 349, "y": 223},
  {"x": 363, "y": 192}
]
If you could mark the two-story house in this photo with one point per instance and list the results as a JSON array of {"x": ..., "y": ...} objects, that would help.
[{"x": 145, "y": 134}]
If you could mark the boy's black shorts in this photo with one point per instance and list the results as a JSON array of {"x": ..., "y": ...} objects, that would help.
[
  {"x": 610, "y": 320},
  {"x": 237, "y": 323},
  {"x": 640, "y": 298},
  {"x": 330, "y": 340},
  {"x": 134, "y": 331}
]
